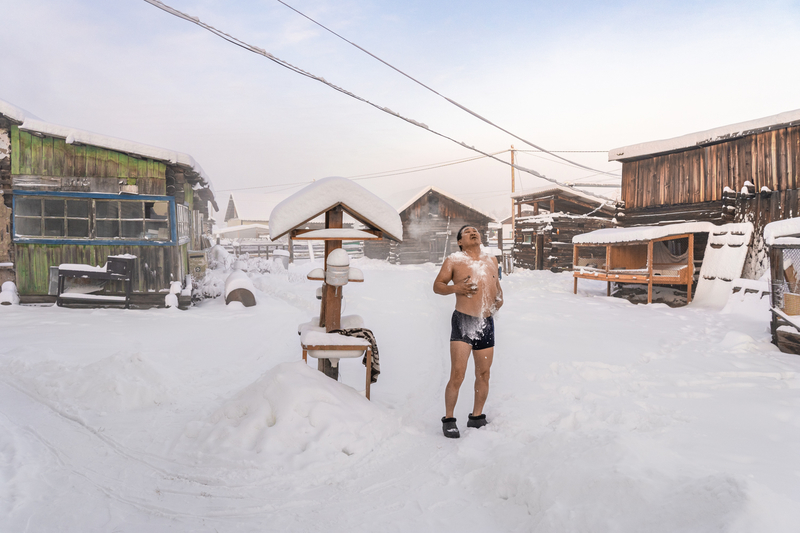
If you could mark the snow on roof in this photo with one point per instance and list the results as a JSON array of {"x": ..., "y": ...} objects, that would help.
[
  {"x": 326, "y": 193},
  {"x": 701, "y": 138},
  {"x": 31, "y": 123},
  {"x": 567, "y": 191},
  {"x": 781, "y": 228},
  {"x": 425, "y": 191},
  {"x": 641, "y": 233},
  {"x": 237, "y": 229},
  {"x": 255, "y": 206}
]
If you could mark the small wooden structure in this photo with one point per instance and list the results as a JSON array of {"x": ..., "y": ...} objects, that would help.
[
  {"x": 783, "y": 242},
  {"x": 76, "y": 197},
  {"x": 639, "y": 255},
  {"x": 431, "y": 219},
  {"x": 543, "y": 235},
  {"x": 333, "y": 197}
]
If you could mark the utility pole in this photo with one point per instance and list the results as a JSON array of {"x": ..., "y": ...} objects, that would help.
[{"x": 513, "y": 225}]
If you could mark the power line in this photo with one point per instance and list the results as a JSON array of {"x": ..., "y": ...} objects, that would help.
[
  {"x": 374, "y": 175},
  {"x": 260, "y": 51},
  {"x": 530, "y": 153},
  {"x": 566, "y": 151},
  {"x": 463, "y": 108}
]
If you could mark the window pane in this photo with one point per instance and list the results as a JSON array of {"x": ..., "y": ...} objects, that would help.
[
  {"x": 131, "y": 210},
  {"x": 107, "y": 229},
  {"x": 132, "y": 229},
  {"x": 77, "y": 227},
  {"x": 54, "y": 227},
  {"x": 156, "y": 210},
  {"x": 53, "y": 208},
  {"x": 27, "y": 206},
  {"x": 157, "y": 230},
  {"x": 27, "y": 226},
  {"x": 107, "y": 208},
  {"x": 78, "y": 208}
]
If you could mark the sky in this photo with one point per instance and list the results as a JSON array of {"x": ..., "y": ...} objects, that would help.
[{"x": 573, "y": 75}]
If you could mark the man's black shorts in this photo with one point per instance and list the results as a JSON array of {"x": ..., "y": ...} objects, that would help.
[{"x": 475, "y": 331}]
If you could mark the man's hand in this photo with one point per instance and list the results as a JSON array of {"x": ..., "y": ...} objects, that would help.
[{"x": 465, "y": 287}]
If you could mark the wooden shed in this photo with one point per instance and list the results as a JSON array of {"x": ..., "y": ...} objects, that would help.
[
  {"x": 72, "y": 196},
  {"x": 546, "y": 219},
  {"x": 431, "y": 219},
  {"x": 745, "y": 172}
]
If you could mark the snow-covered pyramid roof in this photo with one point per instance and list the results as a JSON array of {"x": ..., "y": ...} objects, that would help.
[{"x": 327, "y": 193}]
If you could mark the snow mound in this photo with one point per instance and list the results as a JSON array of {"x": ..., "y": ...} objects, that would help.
[
  {"x": 120, "y": 382},
  {"x": 291, "y": 410}
]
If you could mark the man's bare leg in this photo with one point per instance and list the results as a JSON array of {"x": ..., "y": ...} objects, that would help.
[
  {"x": 483, "y": 362},
  {"x": 459, "y": 356}
]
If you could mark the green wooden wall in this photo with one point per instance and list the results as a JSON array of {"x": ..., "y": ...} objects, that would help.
[
  {"x": 49, "y": 156},
  {"x": 155, "y": 267}
]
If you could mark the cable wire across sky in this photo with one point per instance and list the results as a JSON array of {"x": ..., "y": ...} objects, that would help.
[
  {"x": 463, "y": 108},
  {"x": 260, "y": 51}
]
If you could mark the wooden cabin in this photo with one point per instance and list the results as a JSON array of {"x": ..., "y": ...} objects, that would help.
[
  {"x": 745, "y": 172},
  {"x": 431, "y": 219},
  {"x": 71, "y": 196},
  {"x": 546, "y": 219}
]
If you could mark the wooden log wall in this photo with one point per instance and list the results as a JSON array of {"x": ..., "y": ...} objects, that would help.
[
  {"x": 424, "y": 224},
  {"x": 555, "y": 239},
  {"x": 155, "y": 267},
  {"x": 768, "y": 159}
]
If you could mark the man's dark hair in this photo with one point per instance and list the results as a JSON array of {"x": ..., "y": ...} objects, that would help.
[{"x": 458, "y": 235}]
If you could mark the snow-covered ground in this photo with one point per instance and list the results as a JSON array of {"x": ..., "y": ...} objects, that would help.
[{"x": 605, "y": 416}]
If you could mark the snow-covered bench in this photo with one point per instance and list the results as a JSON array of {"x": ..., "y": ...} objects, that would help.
[
  {"x": 117, "y": 268},
  {"x": 333, "y": 346}
]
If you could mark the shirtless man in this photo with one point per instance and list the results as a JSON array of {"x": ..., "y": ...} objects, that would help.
[{"x": 478, "y": 297}]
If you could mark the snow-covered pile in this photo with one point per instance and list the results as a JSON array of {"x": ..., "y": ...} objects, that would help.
[
  {"x": 604, "y": 416},
  {"x": 293, "y": 410}
]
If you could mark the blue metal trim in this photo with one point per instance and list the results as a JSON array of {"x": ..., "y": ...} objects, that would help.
[
  {"x": 91, "y": 242},
  {"x": 173, "y": 214},
  {"x": 99, "y": 242},
  {"x": 102, "y": 196}
]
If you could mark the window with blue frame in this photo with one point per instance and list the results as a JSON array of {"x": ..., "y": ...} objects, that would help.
[{"x": 103, "y": 218}]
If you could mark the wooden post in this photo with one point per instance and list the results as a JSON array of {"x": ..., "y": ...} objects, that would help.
[
  {"x": 369, "y": 370},
  {"x": 535, "y": 208},
  {"x": 331, "y": 309},
  {"x": 574, "y": 264},
  {"x": 513, "y": 223},
  {"x": 650, "y": 272},
  {"x": 691, "y": 269},
  {"x": 552, "y": 205}
]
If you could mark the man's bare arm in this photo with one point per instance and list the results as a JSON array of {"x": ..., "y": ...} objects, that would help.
[{"x": 498, "y": 301}]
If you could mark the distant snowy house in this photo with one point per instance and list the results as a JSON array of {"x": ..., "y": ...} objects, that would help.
[
  {"x": 72, "y": 196},
  {"x": 748, "y": 171},
  {"x": 546, "y": 219},
  {"x": 249, "y": 208},
  {"x": 431, "y": 219}
]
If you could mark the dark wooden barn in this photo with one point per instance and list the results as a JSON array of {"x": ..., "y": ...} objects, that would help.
[
  {"x": 76, "y": 197},
  {"x": 546, "y": 219},
  {"x": 737, "y": 173},
  {"x": 431, "y": 219}
]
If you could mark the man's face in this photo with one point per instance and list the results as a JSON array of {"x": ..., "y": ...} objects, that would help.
[{"x": 469, "y": 237}]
